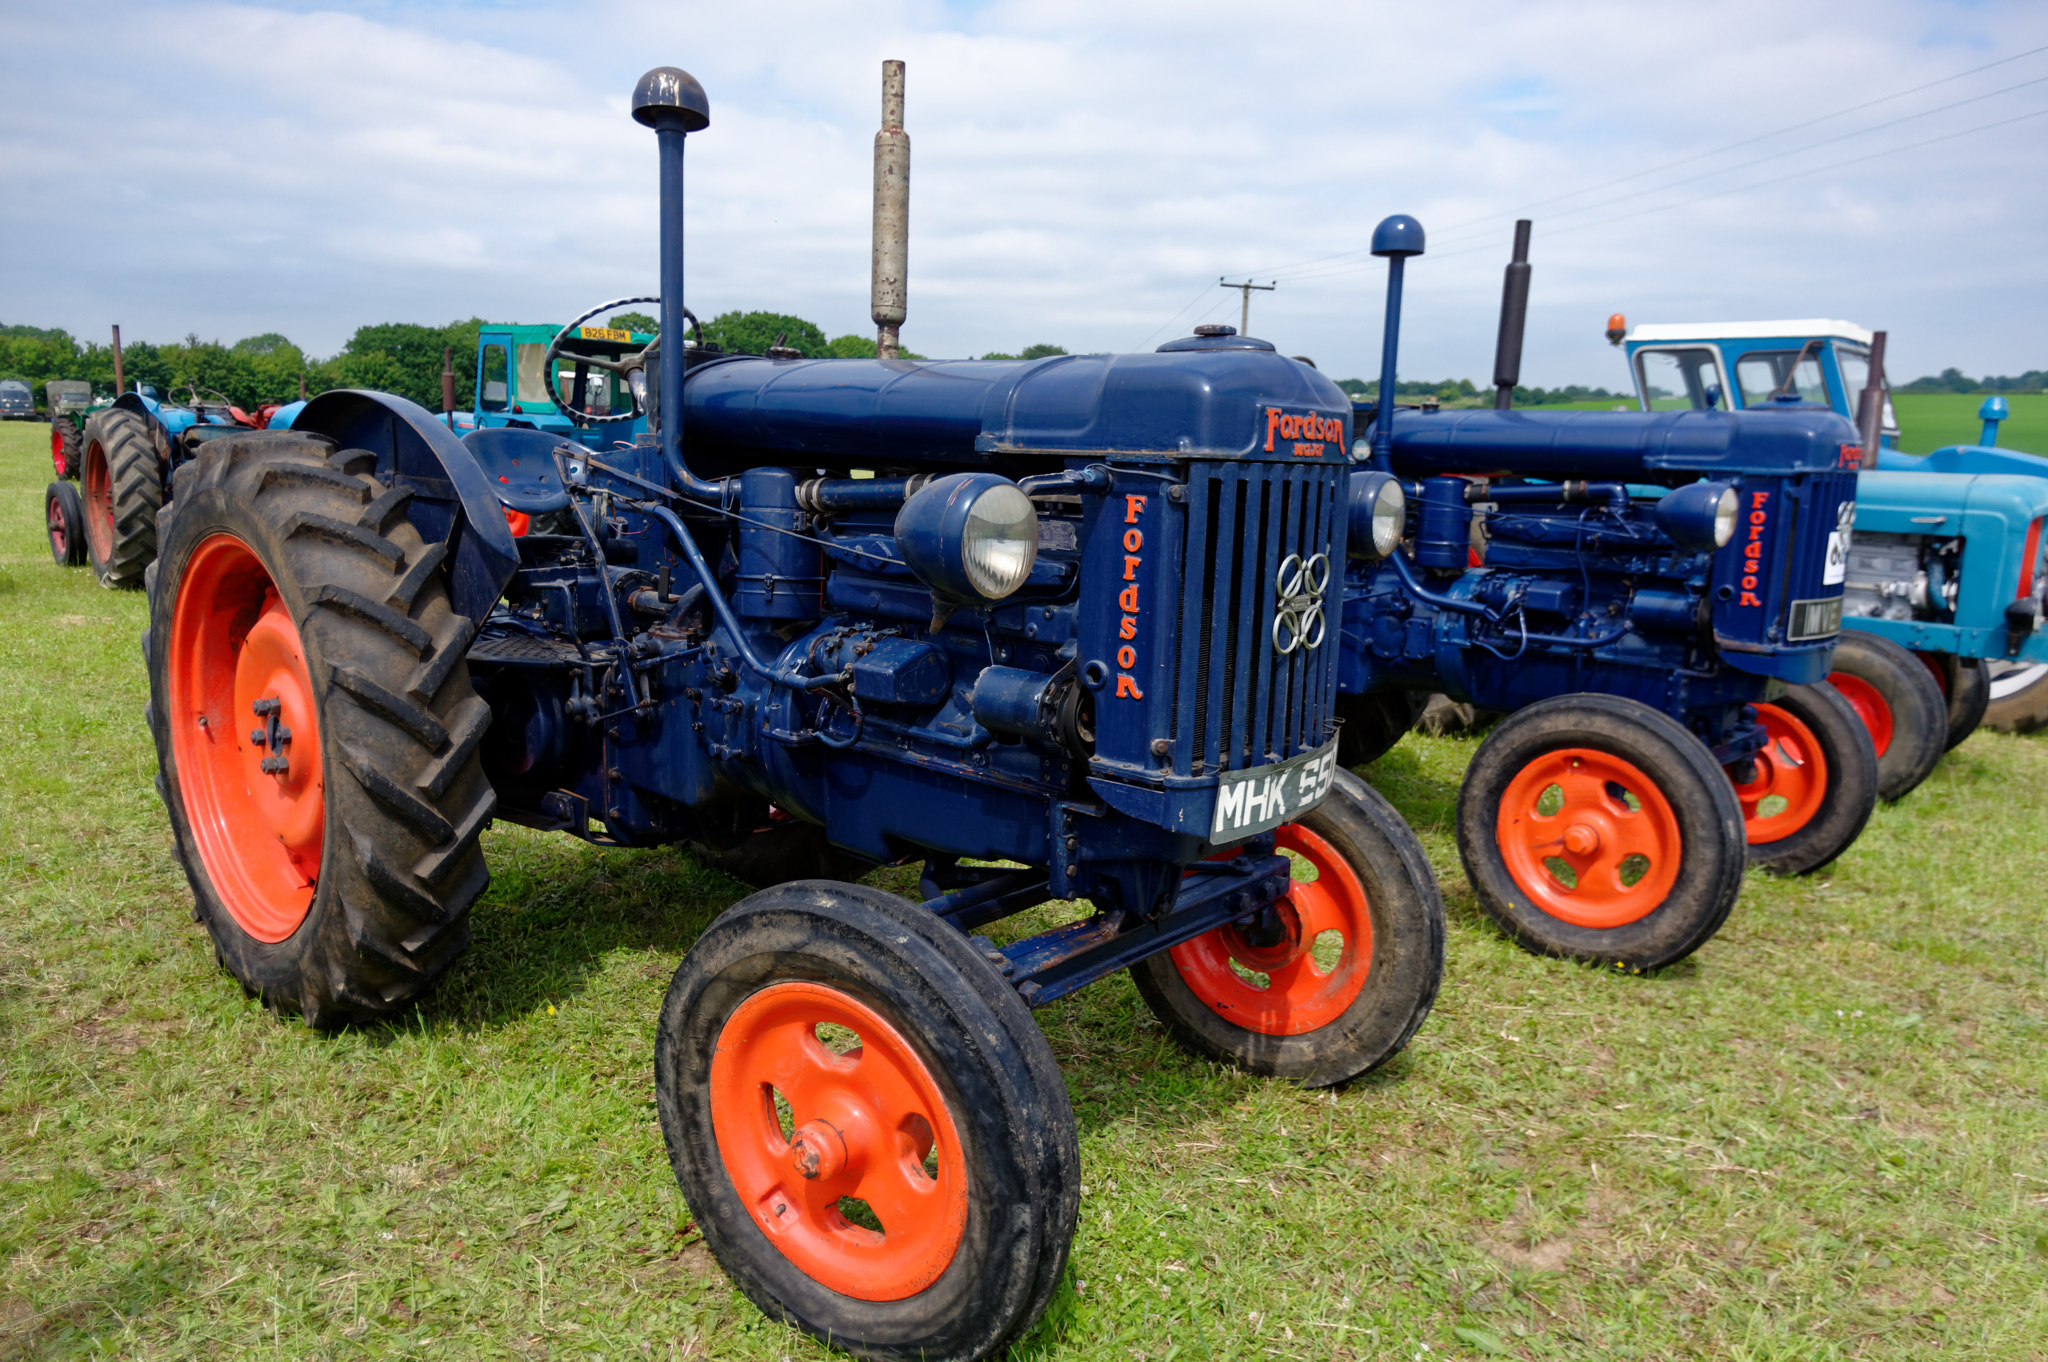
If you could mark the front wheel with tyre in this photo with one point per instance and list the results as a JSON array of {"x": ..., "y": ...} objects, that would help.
[
  {"x": 1965, "y": 684},
  {"x": 1900, "y": 704},
  {"x": 1333, "y": 980},
  {"x": 124, "y": 489},
  {"x": 869, "y": 1127},
  {"x": 1597, "y": 828},
  {"x": 64, "y": 523},
  {"x": 1807, "y": 795},
  {"x": 315, "y": 728},
  {"x": 1373, "y": 723}
]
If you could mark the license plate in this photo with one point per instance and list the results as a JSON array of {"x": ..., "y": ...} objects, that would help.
[
  {"x": 1264, "y": 797},
  {"x": 1815, "y": 619}
]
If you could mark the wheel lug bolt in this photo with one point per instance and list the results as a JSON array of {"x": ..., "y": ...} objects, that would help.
[{"x": 1581, "y": 840}]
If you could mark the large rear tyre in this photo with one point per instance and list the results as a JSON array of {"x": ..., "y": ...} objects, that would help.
[
  {"x": 1900, "y": 704},
  {"x": 1596, "y": 828},
  {"x": 315, "y": 728},
  {"x": 1373, "y": 723},
  {"x": 831, "y": 1058},
  {"x": 64, "y": 522},
  {"x": 66, "y": 448},
  {"x": 1334, "y": 981},
  {"x": 1813, "y": 787},
  {"x": 2019, "y": 697},
  {"x": 124, "y": 489}
]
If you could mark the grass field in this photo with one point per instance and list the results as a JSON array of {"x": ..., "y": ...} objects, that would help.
[
  {"x": 1928, "y": 421},
  {"x": 1824, "y": 1136}
]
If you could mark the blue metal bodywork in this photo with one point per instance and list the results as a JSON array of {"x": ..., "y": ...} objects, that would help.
[
  {"x": 1918, "y": 506},
  {"x": 1581, "y": 588}
]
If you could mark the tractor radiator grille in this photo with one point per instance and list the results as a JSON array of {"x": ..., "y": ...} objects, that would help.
[{"x": 1238, "y": 700}]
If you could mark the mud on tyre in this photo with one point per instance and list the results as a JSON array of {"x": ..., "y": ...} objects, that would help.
[{"x": 315, "y": 727}]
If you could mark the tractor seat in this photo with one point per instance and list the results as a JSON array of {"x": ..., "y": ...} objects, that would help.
[{"x": 520, "y": 465}]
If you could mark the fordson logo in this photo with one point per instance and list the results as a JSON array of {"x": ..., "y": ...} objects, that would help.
[{"x": 1299, "y": 622}]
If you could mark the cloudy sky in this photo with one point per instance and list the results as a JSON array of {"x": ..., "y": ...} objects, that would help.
[{"x": 1083, "y": 170}]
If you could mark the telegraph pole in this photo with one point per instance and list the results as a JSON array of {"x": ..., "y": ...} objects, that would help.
[{"x": 1244, "y": 317}]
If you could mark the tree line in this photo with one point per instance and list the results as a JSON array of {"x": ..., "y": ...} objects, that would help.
[
  {"x": 1956, "y": 381},
  {"x": 1463, "y": 391},
  {"x": 394, "y": 357}
]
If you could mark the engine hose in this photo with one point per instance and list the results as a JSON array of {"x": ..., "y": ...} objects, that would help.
[{"x": 723, "y": 609}]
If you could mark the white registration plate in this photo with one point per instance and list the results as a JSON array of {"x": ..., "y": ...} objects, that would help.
[{"x": 1264, "y": 797}]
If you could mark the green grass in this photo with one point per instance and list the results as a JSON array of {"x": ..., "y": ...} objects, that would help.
[
  {"x": 1824, "y": 1136},
  {"x": 1930, "y": 421}
]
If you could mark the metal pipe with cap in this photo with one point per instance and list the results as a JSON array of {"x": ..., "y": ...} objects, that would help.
[
  {"x": 891, "y": 267},
  {"x": 1514, "y": 321}
]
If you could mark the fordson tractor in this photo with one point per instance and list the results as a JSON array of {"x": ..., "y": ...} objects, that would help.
[
  {"x": 1948, "y": 575},
  {"x": 1654, "y": 598},
  {"x": 1075, "y": 623}
]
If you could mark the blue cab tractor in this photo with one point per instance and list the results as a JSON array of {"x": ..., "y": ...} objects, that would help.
[
  {"x": 562, "y": 380},
  {"x": 1948, "y": 561},
  {"x": 1046, "y": 629}
]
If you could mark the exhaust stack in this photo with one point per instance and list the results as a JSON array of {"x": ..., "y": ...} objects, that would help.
[
  {"x": 1514, "y": 320},
  {"x": 119, "y": 381},
  {"x": 892, "y": 216},
  {"x": 1870, "y": 403}
]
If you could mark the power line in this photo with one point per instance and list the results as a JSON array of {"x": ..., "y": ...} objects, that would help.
[
  {"x": 1687, "y": 160},
  {"x": 1722, "y": 193}
]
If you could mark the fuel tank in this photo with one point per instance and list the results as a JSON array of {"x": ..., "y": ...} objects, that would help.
[{"x": 1665, "y": 447}]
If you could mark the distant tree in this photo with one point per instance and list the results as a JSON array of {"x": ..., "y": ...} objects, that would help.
[
  {"x": 1041, "y": 351},
  {"x": 634, "y": 321},
  {"x": 851, "y": 347},
  {"x": 752, "y": 333},
  {"x": 264, "y": 344}
]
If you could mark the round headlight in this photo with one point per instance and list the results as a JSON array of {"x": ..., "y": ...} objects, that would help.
[
  {"x": 969, "y": 536},
  {"x": 1701, "y": 516},
  {"x": 1725, "y": 512},
  {"x": 1379, "y": 512}
]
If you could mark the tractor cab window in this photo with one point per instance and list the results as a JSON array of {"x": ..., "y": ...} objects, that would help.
[
  {"x": 1681, "y": 380},
  {"x": 598, "y": 396},
  {"x": 493, "y": 392},
  {"x": 1763, "y": 372},
  {"x": 533, "y": 388},
  {"x": 1854, "y": 366}
]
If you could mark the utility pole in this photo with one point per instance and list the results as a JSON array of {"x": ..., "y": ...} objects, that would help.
[{"x": 1244, "y": 317}]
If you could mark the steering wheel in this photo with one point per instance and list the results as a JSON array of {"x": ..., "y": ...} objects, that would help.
[{"x": 623, "y": 367}]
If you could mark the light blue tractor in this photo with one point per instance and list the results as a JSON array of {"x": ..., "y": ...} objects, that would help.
[
  {"x": 522, "y": 370},
  {"x": 1947, "y": 561}
]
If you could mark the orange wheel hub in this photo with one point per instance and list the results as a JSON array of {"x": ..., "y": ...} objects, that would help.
[
  {"x": 1870, "y": 706},
  {"x": 1579, "y": 848},
  {"x": 99, "y": 503},
  {"x": 863, "y": 1124},
  {"x": 245, "y": 734},
  {"x": 1302, "y": 992},
  {"x": 1790, "y": 768}
]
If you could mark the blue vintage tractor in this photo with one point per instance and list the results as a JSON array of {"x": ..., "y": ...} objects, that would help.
[
  {"x": 1044, "y": 627},
  {"x": 1653, "y": 600},
  {"x": 1968, "y": 604},
  {"x": 519, "y": 379}
]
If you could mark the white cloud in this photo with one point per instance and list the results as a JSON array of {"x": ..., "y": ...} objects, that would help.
[{"x": 1081, "y": 170}]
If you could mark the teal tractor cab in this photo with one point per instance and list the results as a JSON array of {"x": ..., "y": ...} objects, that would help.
[
  {"x": 1947, "y": 561},
  {"x": 557, "y": 380}
]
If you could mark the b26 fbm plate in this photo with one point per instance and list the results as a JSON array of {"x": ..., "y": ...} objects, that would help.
[{"x": 1264, "y": 797}]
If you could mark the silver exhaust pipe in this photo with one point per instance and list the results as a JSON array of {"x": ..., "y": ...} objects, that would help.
[{"x": 892, "y": 216}]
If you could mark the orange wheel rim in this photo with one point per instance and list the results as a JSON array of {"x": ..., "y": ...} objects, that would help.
[
  {"x": 246, "y": 737},
  {"x": 99, "y": 503},
  {"x": 1790, "y": 768},
  {"x": 1580, "y": 847},
  {"x": 60, "y": 533},
  {"x": 1870, "y": 706},
  {"x": 1309, "y": 977},
  {"x": 868, "y": 1124}
]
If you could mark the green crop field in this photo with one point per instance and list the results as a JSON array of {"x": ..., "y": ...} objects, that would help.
[
  {"x": 1824, "y": 1136},
  {"x": 1928, "y": 421}
]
